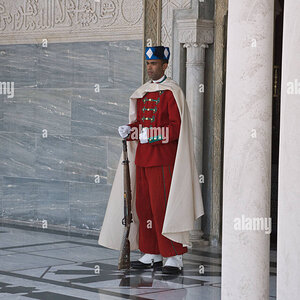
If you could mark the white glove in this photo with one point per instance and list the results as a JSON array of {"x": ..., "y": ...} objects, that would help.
[
  {"x": 124, "y": 131},
  {"x": 144, "y": 135}
]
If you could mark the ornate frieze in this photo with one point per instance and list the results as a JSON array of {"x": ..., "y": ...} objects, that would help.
[{"x": 21, "y": 20}]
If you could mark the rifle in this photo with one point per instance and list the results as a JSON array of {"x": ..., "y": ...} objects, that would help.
[{"x": 124, "y": 257}]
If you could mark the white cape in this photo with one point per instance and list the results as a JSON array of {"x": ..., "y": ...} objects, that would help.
[{"x": 185, "y": 200}]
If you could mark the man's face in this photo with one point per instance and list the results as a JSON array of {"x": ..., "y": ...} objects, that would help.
[{"x": 156, "y": 68}]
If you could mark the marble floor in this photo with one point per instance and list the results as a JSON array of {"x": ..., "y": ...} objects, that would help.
[{"x": 39, "y": 265}]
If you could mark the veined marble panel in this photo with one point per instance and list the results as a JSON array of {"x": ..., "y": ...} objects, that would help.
[
  {"x": 90, "y": 64},
  {"x": 52, "y": 202},
  {"x": 87, "y": 204},
  {"x": 19, "y": 64},
  {"x": 99, "y": 114},
  {"x": 79, "y": 205},
  {"x": 36, "y": 200},
  {"x": 58, "y": 132},
  {"x": 33, "y": 110},
  {"x": 19, "y": 198},
  {"x": 17, "y": 154},
  {"x": 55, "y": 66},
  {"x": 127, "y": 58},
  {"x": 72, "y": 158}
]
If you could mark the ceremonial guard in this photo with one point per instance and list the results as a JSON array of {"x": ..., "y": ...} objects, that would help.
[{"x": 164, "y": 181}]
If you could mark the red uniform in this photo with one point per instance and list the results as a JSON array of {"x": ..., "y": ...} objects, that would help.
[{"x": 154, "y": 166}]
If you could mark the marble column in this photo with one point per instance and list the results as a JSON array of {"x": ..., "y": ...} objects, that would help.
[
  {"x": 195, "y": 67},
  {"x": 288, "y": 241},
  {"x": 195, "y": 35},
  {"x": 247, "y": 150}
]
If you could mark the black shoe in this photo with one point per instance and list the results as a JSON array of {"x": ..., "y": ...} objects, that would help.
[
  {"x": 171, "y": 270},
  {"x": 140, "y": 266}
]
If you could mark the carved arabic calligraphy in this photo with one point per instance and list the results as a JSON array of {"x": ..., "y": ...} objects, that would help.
[
  {"x": 56, "y": 14},
  {"x": 5, "y": 18},
  {"x": 132, "y": 11}
]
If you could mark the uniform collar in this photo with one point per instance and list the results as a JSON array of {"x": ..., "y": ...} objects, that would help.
[{"x": 160, "y": 80}]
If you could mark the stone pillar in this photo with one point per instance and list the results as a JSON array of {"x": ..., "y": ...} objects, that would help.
[
  {"x": 152, "y": 28},
  {"x": 247, "y": 150},
  {"x": 221, "y": 9},
  {"x": 195, "y": 35},
  {"x": 288, "y": 241},
  {"x": 195, "y": 66}
]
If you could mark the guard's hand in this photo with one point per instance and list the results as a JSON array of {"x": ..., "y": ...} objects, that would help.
[
  {"x": 124, "y": 131},
  {"x": 143, "y": 136}
]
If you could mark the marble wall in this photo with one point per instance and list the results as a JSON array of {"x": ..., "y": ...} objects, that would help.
[{"x": 58, "y": 131}]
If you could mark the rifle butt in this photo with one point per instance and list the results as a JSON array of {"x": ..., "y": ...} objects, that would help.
[{"x": 124, "y": 258}]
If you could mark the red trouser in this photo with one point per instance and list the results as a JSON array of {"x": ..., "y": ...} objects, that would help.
[{"x": 152, "y": 191}]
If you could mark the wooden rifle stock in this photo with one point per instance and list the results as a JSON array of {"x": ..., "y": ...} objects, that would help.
[{"x": 124, "y": 258}]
